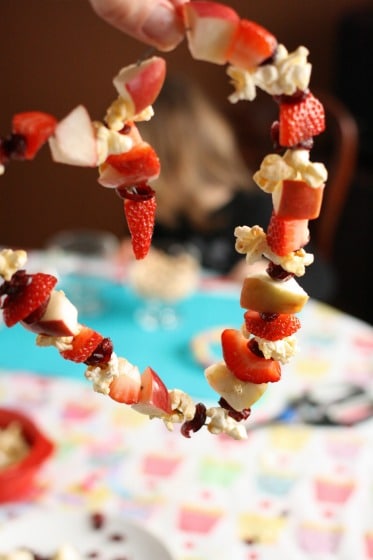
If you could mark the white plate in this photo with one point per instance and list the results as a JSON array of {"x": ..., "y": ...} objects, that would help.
[{"x": 44, "y": 532}]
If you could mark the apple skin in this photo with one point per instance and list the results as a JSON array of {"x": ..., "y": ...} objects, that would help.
[
  {"x": 296, "y": 200},
  {"x": 210, "y": 27},
  {"x": 74, "y": 140},
  {"x": 140, "y": 84},
  {"x": 251, "y": 45},
  {"x": 154, "y": 399},
  {"x": 60, "y": 317},
  {"x": 263, "y": 294},
  {"x": 126, "y": 387},
  {"x": 238, "y": 394}
]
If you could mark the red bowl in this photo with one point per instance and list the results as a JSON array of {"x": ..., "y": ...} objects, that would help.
[{"x": 17, "y": 480}]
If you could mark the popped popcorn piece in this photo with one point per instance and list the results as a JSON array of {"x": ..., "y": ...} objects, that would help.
[
  {"x": 11, "y": 261},
  {"x": 183, "y": 408},
  {"x": 60, "y": 342},
  {"x": 294, "y": 72},
  {"x": 110, "y": 142},
  {"x": 287, "y": 73},
  {"x": 295, "y": 165},
  {"x": 272, "y": 171},
  {"x": 2, "y": 169},
  {"x": 314, "y": 174},
  {"x": 244, "y": 84},
  {"x": 251, "y": 241},
  {"x": 281, "y": 350},
  {"x": 144, "y": 115},
  {"x": 220, "y": 422},
  {"x": 118, "y": 113}
]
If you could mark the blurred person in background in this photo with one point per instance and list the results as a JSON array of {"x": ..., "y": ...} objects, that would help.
[{"x": 205, "y": 188}]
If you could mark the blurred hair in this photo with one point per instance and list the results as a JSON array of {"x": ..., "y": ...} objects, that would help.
[{"x": 198, "y": 152}]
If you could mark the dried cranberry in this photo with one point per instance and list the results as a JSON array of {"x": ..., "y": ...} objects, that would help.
[
  {"x": 139, "y": 192},
  {"x": 101, "y": 354},
  {"x": 298, "y": 96},
  {"x": 254, "y": 347},
  {"x": 238, "y": 415},
  {"x": 126, "y": 129},
  {"x": 275, "y": 136},
  {"x": 97, "y": 520},
  {"x": 12, "y": 147},
  {"x": 276, "y": 272},
  {"x": 116, "y": 537},
  {"x": 197, "y": 421},
  {"x": 268, "y": 316},
  {"x": 16, "y": 284}
]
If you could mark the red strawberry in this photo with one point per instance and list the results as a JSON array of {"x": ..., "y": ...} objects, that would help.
[
  {"x": 271, "y": 326},
  {"x": 285, "y": 236},
  {"x": 24, "y": 294},
  {"x": 301, "y": 117},
  {"x": 83, "y": 345},
  {"x": 36, "y": 127},
  {"x": 244, "y": 363},
  {"x": 251, "y": 45},
  {"x": 139, "y": 207},
  {"x": 138, "y": 165}
]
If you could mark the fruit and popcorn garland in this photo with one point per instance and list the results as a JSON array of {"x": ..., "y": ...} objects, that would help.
[{"x": 253, "y": 355}]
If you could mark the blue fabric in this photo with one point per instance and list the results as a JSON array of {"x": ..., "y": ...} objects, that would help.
[{"x": 166, "y": 351}]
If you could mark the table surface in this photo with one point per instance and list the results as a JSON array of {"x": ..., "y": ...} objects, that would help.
[{"x": 289, "y": 491}]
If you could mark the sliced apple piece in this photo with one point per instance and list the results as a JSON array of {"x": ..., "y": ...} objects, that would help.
[
  {"x": 210, "y": 27},
  {"x": 60, "y": 317},
  {"x": 154, "y": 399},
  {"x": 251, "y": 45},
  {"x": 74, "y": 140},
  {"x": 139, "y": 84},
  {"x": 297, "y": 200},
  {"x": 238, "y": 394},
  {"x": 263, "y": 294},
  {"x": 125, "y": 388}
]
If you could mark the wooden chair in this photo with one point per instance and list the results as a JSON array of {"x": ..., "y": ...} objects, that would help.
[{"x": 341, "y": 160}]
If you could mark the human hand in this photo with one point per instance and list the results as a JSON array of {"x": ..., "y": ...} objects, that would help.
[{"x": 154, "y": 22}]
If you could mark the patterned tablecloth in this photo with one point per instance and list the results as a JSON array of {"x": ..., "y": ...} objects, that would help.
[{"x": 289, "y": 491}]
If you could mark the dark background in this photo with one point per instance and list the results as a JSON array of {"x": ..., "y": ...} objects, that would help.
[{"x": 56, "y": 54}]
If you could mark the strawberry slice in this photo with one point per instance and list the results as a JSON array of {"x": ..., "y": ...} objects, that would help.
[
  {"x": 275, "y": 326},
  {"x": 301, "y": 117},
  {"x": 36, "y": 127},
  {"x": 138, "y": 165},
  {"x": 139, "y": 207},
  {"x": 83, "y": 345},
  {"x": 244, "y": 363},
  {"x": 25, "y": 293},
  {"x": 251, "y": 45},
  {"x": 285, "y": 236}
]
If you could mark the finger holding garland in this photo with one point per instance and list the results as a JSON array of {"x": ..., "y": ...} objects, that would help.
[{"x": 252, "y": 356}]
